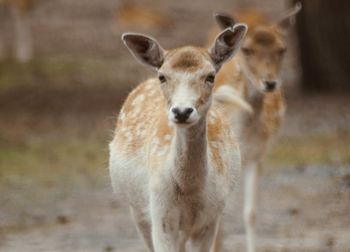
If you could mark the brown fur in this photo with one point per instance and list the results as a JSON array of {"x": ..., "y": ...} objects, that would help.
[
  {"x": 174, "y": 157},
  {"x": 264, "y": 46},
  {"x": 187, "y": 61},
  {"x": 262, "y": 36},
  {"x": 154, "y": 112}
]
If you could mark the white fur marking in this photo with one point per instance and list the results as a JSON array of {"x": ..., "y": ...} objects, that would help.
[{"x": 227, "y": 94}]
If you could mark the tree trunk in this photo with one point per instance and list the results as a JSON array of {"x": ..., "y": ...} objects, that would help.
[
  {"x": 23, "y": 46},
  {"x": 324, "y": 38}
]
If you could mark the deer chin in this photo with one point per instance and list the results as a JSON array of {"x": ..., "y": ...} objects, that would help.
[
  {"x": 187, "y": 124},
  {"x": 184, "y": 125}
]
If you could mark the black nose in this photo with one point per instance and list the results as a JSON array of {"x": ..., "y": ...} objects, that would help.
[
  {"x": 270, "y": 85},
  {"x": 182, "y": 115}
]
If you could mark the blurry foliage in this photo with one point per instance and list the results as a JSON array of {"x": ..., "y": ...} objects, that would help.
[
  {"x": 60, "y": 155},
  {"x": 66, "y": 71},
  {"x": 142, "y": 17},
  {"x": 21, "y": 4},
  {"x": 311, "y": 150},
  {"x": 67, "y": 152}
]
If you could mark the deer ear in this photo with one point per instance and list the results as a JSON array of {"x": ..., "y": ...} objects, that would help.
[
  {"x": 224, "y": 20},
  {"x": 288, "y": 19},
  {"x": 227, "y": 44},
  {"x": 145, "y": 49}
]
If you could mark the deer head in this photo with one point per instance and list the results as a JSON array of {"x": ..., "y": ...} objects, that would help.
[
  {"x": 263, "y": 48},
  {"x": 186, "y": 75}
]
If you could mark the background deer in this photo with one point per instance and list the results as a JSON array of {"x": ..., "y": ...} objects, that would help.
[
  {"x": 23, "y": 44},
  {"x": 174, "y": 158},
  {"x": 254, "y": 76}
]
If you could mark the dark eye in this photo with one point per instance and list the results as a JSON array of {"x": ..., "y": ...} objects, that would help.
[
  {"x": 247, "y": 51},
  {"x": 210, "y": 78},
  {"x": 282, "y": 51},
  {"x": 162, "y": 78}
]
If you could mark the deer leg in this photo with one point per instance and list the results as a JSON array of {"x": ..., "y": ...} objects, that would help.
[
  {"x": 183, "y": 240},
  {"x": 218, "y": 240},
  {"x": 250, "y": 198},
  {"x": 202, "y": 241},
  {"x": 143, "y": 227},
  {"x": 165, "y": 224}
]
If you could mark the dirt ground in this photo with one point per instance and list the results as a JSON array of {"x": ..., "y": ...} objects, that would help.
[
  {"x": 64, "y": 202},
  {"x": 300, "y": 210},
  {"x": 57, "y": 115}
]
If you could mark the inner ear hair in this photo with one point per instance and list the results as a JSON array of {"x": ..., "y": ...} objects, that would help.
[
  {"x": 224, "y": 20},
  {"x": 288, "y": 18},
  {"x": 227, "y": 43},
  {"x": 144, "y": 48}
]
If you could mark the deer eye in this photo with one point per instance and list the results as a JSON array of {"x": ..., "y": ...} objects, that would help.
[
  {"x": 281, "y": 51},
  {"x": 247, "y": 51},
  {"x": 210, "y": 78},
  {"x": 162, "y": 78}
]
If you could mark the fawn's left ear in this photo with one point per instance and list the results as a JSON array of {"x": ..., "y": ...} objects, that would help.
[
  {"x": 288, "y": 19},
  {"x": 144, "y": 48},
  {"x": 227, "y": 44},
  {"x": 224, "y": 20}
]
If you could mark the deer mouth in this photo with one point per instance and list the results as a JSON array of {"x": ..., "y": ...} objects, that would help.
[{"x": 269, "y": 86}]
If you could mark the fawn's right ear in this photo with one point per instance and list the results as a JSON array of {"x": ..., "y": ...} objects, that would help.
[
  {"x": 224, "y": 20},
  {"x": 144, "y": 48}
]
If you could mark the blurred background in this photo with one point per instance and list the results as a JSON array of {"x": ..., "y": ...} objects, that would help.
[{"x": 63, "y": 76}]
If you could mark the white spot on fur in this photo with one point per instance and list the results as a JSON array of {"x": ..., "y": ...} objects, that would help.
[
  {"x": 124, "y": 129},
  {"x": 162, "y": 151},
  {"x": 148, "y": 86},
  {"x": 211, "y": 119},
  {"x": 238, "y": 68},
  {"x": 215, "y": 145},
  {"x": 128, "y": 136},
  {"x": 142, "y": 133},
  {"x": 167, "y": 137},
  {"x": 138, "y": 100},
  {"x": 121, "y": 116},
  {"x": 154, "y": 145},
  {"x": 135, "y": 113}
]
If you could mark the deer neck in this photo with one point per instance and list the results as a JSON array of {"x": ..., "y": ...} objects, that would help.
[
  {"x": 190, "y": 162},
  {"x": 252, "y": 95}
]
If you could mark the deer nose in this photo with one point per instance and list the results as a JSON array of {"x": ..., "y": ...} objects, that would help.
[
  {"x": 182, "y": 114},
  {"x": 270, "y": 85}
]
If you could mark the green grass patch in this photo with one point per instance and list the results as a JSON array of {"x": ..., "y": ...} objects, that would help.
[
  {"x": 67, "y": 71},
  {"x": 311, "y": 149},
  {"x": 39, "y": 176},
  {"x": 55, "y": 158},
  {"x": 77, "y": 155}
]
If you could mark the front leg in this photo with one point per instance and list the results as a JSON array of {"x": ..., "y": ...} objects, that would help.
[
  {"x": 165, "y": 224},
  {"x": 218, "y": 238},
  {"x": 202, "y": 241},
  {"x": 143, "y": 227},
  {"x": 250, "y": 198}
]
